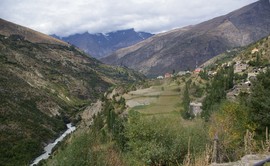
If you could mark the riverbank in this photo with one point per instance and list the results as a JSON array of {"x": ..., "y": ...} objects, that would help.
[{"x": 49, "y": 147}]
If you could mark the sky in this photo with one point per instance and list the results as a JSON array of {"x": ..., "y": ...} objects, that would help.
[{"x": 67, "y": 17}]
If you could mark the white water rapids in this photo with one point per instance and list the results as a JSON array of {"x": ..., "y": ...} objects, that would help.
[{"x": 49, "y": 147}]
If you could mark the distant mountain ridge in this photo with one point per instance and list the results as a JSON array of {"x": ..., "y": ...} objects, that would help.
[
  {"x": 100, "y": 45},
  {"x": 188, "y": 47}
]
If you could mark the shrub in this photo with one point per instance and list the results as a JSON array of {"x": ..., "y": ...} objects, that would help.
[
  {"x": 158, "y": 143},
  {"x": 230, "y": 123}
]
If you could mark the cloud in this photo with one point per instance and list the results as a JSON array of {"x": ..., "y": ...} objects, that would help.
[{"x": 65, "y": 17}]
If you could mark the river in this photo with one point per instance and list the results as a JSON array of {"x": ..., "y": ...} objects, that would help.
[{"x": 49, "y": 147}]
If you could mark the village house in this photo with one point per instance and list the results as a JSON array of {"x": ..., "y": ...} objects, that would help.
[
  {"x": 226, "y": 64},
  {"x": 160, "y": 77},
  {"x": 195, "y": 108},
  {"x": 198, "y": 70},
  {"x": 254, "y": 50},
  {"x": 211, "y": 73},
  {"x": 237, "y": 89},
  {"x": 168, "y": 75},
  {"x": 181, "y": 73},
  {"x": 252, "y": 75},
  {"x": 240, "y": 67}
]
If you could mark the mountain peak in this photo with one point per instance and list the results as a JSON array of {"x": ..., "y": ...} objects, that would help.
[{"x": 100, "y": 45}]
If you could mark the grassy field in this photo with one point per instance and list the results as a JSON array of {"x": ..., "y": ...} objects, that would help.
[{"x": 163, "y": 99}]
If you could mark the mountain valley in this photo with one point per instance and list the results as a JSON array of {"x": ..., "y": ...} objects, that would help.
[{"x": 192, "y": 96}]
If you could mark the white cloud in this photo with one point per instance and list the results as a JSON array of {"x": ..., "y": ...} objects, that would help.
[{"x": 65, "y": 17}]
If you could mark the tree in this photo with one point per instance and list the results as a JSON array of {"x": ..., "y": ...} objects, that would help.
[
  {"x": 222, "y": 81},
  {"x": 186, "y": 101},
  {"x": 118, "y": 133},
  {"x": 111, "y": 116},
  {"x": 98, "y": 122},
  {"x": 196, "y": 90},
  {"x": 259, "y": 101},
  {"x": 204, "y": 75}
]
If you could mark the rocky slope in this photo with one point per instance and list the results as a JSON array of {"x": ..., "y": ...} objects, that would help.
[
  {"x": 183, "y": 48},
  {"x": 44, "y": 83},
  {"x": 100, "y": 45},
  {"x": 7, "y": 28}
]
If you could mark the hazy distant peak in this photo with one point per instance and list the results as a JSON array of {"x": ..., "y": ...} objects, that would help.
[{"x": 100, "y": 45}]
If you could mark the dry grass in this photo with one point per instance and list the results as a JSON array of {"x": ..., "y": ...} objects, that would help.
[
  {"x": 250, "y": 143},
  {"x": 187, "y": 160},
  {"x": 204, "y": 159},
  {"x": 113, "y": 158},
  {"x": 266, "y": 143}
]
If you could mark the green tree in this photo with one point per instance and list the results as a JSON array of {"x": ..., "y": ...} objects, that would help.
[
  {"x": 204, "y": 75},
  {"x": 98, "y": 122},
  {"x": 222, "y": 81},
  {"x": 118, "y": 133},
  {"x": 259, "y": 101},
  {"x": 186, "y": 101},
  {"x": 111, "y": 116},
  {"x": 196, "y": 90}
]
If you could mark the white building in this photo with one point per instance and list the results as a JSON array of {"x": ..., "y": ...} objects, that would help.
[{"x": 195, "y": 108}]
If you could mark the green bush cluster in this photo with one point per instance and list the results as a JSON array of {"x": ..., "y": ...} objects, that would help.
[
  {"x": 216, "y": 91},
  {"x": 156, "y": 142}
]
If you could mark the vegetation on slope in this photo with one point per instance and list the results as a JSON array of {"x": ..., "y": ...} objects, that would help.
[
  {"x": 42, "y": 87},
  {"x": 153, "y": 132},
  {"x": 134, "y": 140},
  {"x": 248, "y": 112},
  {"x": 221, "y": 82}
]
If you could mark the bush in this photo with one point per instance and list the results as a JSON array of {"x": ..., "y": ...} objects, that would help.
[
  {"x": 240, "y": 77},
  {"x": 204, "y": 75},
  {"x": 230, "y": 123},
  {"x": 158, "y": 143}
]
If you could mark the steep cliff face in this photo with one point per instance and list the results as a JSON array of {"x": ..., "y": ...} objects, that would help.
[
  {"x": 101, "y": 45},
  {"x": 183, "y": 48}
]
